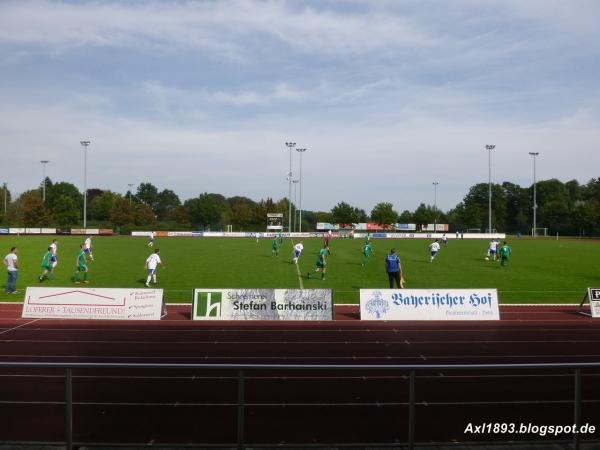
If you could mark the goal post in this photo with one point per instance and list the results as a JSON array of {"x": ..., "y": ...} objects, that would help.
[{"x": 539, "y": 232}]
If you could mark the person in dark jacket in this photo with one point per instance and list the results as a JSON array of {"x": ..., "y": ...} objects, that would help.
[{"x": 393, "y": 268}]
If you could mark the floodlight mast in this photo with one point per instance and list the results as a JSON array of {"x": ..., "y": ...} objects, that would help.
[
  {"x": 534, "y": 154},
  {"x": 290, "y": 146},
  {"x": 130, "y": 186},
  {"x": 489, "y": 148},
  {"x": 85, "y": 145},
  {"x": 5, "y": 191},
  {"x": 295, "y": 197},
  {"x": 44, "y": 162},
  {"x": 435, "y": 185},
  {"x": 300, "y": 151}
]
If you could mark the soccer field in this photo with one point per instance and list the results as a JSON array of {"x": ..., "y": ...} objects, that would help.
[{"x": 540, "y": 271}]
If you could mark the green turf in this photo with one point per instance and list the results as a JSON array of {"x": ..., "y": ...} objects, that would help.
[{"x": 540, "y": 271}]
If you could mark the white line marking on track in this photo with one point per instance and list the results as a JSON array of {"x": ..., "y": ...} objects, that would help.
[
  {"x": 300, "y": 342},
  {"x": 8, "y": 330}
]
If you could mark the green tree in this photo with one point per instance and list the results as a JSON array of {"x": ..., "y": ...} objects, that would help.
[
  {"x": 121, "y": 213},
  {"x": 181, "y": 216},
  {"x": 243, "y": 212},
  {"x": 383, "y": 213},
  {"x": 32, "y": 210},
  {"x": 147, "y": 193},
  {"x": 66, "y": 211},
  {"x": 424, "y": 214},
  {"x": 101, "y": 206},
  {"x": 406, "y": 217},
  {"x": 144, "y": 215},
  {"x": 206, "y": 210},
  {"x": 57, "y": 190},
  {"x": 342, "y": 213},
  {"x": 167, "y": 203}
]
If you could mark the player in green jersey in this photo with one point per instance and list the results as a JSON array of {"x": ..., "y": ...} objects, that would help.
[
  {"x": 504, "y": 254},
  {"x": 275, "y": 247},
  {"x": 321, "y": 264},
  {"x": 47, "y": 265},
  {"x": 367, "y": 251},
  {"x": 81, "y": 265}
]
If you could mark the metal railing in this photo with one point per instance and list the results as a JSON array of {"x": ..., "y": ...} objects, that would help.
[{"x": 241, "y": 370}]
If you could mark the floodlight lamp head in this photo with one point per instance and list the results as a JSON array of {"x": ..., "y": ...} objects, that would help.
[
  {"x": 85, "y": 143},
  {"x": 490, "y": 147},
  {"x": 301, "y": 150},
  {"x": 534, "y": 153}
]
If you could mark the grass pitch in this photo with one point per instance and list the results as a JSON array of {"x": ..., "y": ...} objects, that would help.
[{"x": 539, "y": 271}]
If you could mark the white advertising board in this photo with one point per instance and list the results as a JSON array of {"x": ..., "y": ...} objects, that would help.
[
  {"x": 429, "y": 304},
  {"x": 262, "y": 304},
  {"x": 92, "y": 303}
]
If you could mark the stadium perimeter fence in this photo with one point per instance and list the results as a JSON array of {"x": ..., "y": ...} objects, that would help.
[{"x": 240, "y": 373}]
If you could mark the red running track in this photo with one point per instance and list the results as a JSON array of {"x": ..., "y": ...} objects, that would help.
[{"x": 182, "y": 407}]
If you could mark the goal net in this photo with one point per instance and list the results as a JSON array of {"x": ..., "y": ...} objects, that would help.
[{"x": 539, "y": 232}]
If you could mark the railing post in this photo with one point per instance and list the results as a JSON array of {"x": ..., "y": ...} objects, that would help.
[
  {"x": 411, "y": 411},
  {"x": 577, "y": 408},
  {"x": 240, "y": 411},
  {"x": 68, "y": 410}
]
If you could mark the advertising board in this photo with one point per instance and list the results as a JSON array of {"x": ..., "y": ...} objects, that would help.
[
  {"x": 429, "y": 304},
  {"x": 93, "y": 303},
  {"x": 262, "y": 304}
]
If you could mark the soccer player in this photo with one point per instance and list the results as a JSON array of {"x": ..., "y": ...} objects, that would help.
[
  {"x": 394, "y": 269},
  {"x": 151, "y": 263},
  {"x": 444, "y": 239},
  {"x": 321, "y": 265},
  {"x": 54, "y": 258},
  {"x": 504, "y": 254},
  {"x": 434, "y": 248},
  {"x": 367, "y": 251},
  {"x": 275, "y": 247},
  {"x": 297, "y": 252},
  {"x": 492, "y": 249},
  {"x": 326, "y": 237},
  {"x": 88, "y": 247},
  {"x": 47, "y": 265},
  {"x": 151, "y": 239},
  {"x": 367, "y": 239},
  {"x": 81, "y": 265},
  {"x": 11, "y": 261}
]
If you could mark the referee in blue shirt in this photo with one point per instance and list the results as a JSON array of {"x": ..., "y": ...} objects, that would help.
[{"x": 394, "y": 269}]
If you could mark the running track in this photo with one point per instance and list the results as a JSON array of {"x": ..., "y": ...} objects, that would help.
[{"x": 190, "y": 407}]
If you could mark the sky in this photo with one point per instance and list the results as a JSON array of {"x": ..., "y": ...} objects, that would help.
[{"x": 386, "y": 96}]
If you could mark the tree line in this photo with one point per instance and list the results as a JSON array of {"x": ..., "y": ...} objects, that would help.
[{"x": 566, "y": 208}]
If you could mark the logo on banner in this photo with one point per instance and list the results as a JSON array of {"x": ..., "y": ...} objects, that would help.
[
  {"x": 377, "y": 305},
  {"x": 209, "y": 304},
  {"x": 595, "y": 294}
]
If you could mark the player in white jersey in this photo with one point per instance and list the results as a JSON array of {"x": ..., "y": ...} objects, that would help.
[
  {"x": 297, "y": 252},
  {"x": 492, "y": 249},
  {"x": 54, "y": 249},
  {"x": 151, "y": 263},
  {"x": 87, "y": 247},
  {"x": 151, "y": 238},
  {"x": 434, "y": 248}
]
